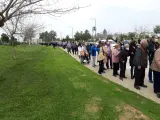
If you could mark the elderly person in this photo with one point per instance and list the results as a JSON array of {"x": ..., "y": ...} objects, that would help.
[
  {"x": 151, "y": 50},
  {"x": 140, "y": 62},
  {"x": 109, "y": 55},
  {"x": 101, "y": 58},
  {"x": 115, "y": 59},
  {"x": 123, "y": 60},
  {"x": 132, "y": 51},
  {"x": 155, "y": 66}
]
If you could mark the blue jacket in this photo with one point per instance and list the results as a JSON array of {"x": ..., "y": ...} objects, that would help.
[{"x": 93, "y": 50}]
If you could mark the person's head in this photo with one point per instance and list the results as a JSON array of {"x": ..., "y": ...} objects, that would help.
[
  {"x": 144, "y": 43},
  {"x": 117, "y": 46},
  {"x": 108, "y": 43},
  {"x": 131, "y": 39},
  {"x": 122, "y": 40},
  {"x": 126, "y": 46}
]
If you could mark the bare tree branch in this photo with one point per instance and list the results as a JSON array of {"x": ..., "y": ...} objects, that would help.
[{"x": 13, "y": 8}]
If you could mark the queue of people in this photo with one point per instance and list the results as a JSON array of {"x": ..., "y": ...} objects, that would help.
[{"x": 116, "y": 59}]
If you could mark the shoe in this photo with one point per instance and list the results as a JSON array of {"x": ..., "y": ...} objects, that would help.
[
  {"x": 121, "y": 78},
  {"x": 115, "y": 75},
  {"x": 103, "y": 72},
  {"x": 145, "y": 86},
  {"x": 99, "y": 73},
  {"x": 125, "y": 77},
  {"x": 104, "y": 69},
  {"x": 150, "y": 81},
  {"x": 132, "y": 77},
  {"x": 137, "y": 87},
  {"x": 158, "y": 95}
]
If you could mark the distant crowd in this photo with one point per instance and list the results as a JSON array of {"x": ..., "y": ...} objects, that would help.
[{"x": 116, "y": 59}]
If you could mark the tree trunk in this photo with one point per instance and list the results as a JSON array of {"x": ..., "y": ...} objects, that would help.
[
  {"x": 14, "y": 52},
  {"x": 29, "y": 42},
  {"x": 13, "y": 48}
]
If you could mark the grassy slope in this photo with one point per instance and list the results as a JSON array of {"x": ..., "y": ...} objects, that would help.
[{"x": 48, "y": 84}]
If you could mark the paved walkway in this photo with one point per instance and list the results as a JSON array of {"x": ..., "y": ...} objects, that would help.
[{"x": 127, "y": 83}]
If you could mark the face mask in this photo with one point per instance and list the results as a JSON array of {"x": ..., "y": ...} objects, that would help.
[{"x": 127, "y": 48}]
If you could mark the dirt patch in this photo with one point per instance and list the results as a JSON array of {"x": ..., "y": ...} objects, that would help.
[
  {"x": 118, "y": 108},
  {"x": 119, "y": 90},
  {"x": 80, "y": 85},
  {"x": 131, "y": 113},
  {"x": 93, "y": 108},
  {"x": 74, "y": 114},
  {"x": 97, "y": 99}
]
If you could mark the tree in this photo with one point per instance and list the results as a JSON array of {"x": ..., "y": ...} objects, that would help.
[
  {"x": 12, "y": 8},
  {"x": 156, "y": 29},
  {"x": 48, "y": 36},
  {"x": 29, "y": 31},
  {"x": 11, "y": 28},
  {"x": 110, "y": 36},
  {"x": 105, "y": 33},
  {"x": 52, "y": 35},
  {"x": 141, "y": 31},
  {"x": 86, "y": 35},
  {"x": 131, "y": 35},
  {"x": 4, "y": 38},
  {"x": 78, "y": 36}
]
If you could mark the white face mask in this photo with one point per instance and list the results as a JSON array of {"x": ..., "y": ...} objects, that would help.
[{"x": 127, "y": 48}]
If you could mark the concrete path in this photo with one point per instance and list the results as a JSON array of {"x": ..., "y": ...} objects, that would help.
[{"x": 127, "y": 83}]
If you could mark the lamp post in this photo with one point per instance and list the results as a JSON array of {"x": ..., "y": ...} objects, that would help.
[
  {"x": 95, "y": 22},
  {"x": 72, "y": 31}
]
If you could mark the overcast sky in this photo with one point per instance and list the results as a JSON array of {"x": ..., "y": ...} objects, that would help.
[{"x": 113, "y": 15}]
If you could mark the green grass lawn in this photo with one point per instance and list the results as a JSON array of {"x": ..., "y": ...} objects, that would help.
[{"x": 48, "y": 84}]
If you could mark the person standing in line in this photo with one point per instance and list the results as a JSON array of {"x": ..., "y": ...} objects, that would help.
[
  {"x": 121, "y": 44},
  {"x": 88, "y": 50},
  {"x": 69, "y": 47},
  {"x": 140, "y": 62},
  {"x": 155, "y": 66},
  {"x": 109, "y": 55},
  {"x": 115, "y": 60},
  {"x": 123, "y": 60},
  {"x": 93, "y": 55},
  {"x": 132, "y": 51},
  {"x": 151, "y": 50},
  {"x": 79, "y": 50},
  {"x": 73, "y": 48},
  {"x": 101, "y": 58}
]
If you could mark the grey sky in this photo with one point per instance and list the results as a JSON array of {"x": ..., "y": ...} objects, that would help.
[{"x": 114, "y": 15}]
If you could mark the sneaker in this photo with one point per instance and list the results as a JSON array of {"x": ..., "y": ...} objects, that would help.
[
  {"x": 158, "y": 95},
  {"x": 145, "y": 86},
  {"x": 115, "y": 75},
  {"x": 121, "y": 78},
  {"x": 137, "y": 87},
  {"x": 99, "y": 73},
  {"x": 150, "y": 81}
]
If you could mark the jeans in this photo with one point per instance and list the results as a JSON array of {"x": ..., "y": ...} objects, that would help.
[{"x": 109, "y": 59}]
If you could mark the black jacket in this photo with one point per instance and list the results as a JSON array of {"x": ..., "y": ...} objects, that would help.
[
  {"x": 132, "y": 51},
  {"x": 123, "y": 55}
]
